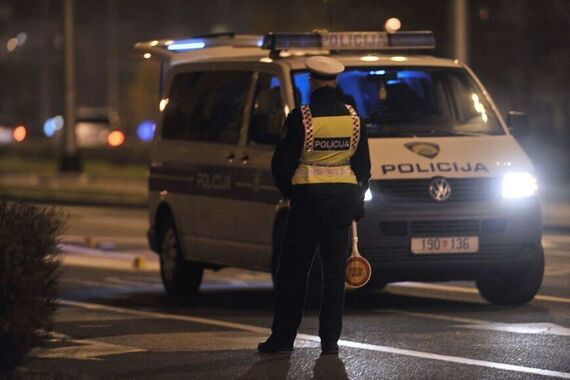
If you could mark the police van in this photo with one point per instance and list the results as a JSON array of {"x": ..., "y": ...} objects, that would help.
[{"x": 452, "y": 195}]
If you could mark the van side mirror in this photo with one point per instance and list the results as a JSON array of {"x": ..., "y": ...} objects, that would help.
[{"x": 519, "y": 123}]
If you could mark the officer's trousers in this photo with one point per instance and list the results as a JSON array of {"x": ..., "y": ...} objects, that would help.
[{"x": 314, "y": 221}]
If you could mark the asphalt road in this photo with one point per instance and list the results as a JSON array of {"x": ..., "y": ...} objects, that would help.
[{"x": 116, "y": 322}]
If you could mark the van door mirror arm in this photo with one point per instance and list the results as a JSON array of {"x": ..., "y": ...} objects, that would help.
[{"x": 518, "y": 123}]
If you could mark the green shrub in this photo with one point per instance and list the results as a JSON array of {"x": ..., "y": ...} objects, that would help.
[{"x": 29, "y": 262}]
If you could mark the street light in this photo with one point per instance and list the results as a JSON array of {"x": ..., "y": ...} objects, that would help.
[{"x": 392, "y": 25}]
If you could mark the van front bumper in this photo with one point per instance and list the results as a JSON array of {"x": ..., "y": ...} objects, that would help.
[{"x": 509, "y": 234}]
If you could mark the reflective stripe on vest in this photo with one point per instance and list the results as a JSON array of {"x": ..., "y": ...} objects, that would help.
[{"x": 330, "y": 141}]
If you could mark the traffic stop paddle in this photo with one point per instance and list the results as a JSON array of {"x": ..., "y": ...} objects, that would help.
[{"x": 358, "y": 269}]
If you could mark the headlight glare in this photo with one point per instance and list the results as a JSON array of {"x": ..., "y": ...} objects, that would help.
[
  {"x": 519, "y": 185},
  {"x": 368, "y": 196}
]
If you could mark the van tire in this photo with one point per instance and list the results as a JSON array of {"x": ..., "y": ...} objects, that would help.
[
  {"x": 179, "y": 276},
  {"x": 514, "y": 288}
]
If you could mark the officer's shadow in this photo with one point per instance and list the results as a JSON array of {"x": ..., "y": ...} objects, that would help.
[{"x": 276, "y": 367}]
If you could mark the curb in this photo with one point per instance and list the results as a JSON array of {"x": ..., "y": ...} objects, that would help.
[
  {"x": 138, "y": 203},
  {"x": 563, "y": 229}
]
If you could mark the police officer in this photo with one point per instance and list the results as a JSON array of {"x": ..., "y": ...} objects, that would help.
[{"x": 322, "y": 165}]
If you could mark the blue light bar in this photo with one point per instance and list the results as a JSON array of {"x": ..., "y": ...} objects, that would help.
[
  {"x": 350, "y": 40},
  {"x": 186, "y": 45}
]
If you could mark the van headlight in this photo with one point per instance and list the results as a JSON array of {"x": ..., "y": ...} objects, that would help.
[
  {"x": 368, "y": 196},
  {"x": 519, "y": 185}
]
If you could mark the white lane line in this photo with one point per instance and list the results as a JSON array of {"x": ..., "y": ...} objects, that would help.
[
  {"x": 459, "y": 289},
  {"x": 436, "y": 316},
  {"x": 313, "y": 338},
  {"x": 456, "y": 359},
  {"x": 540, "y": 328},
  {"x": 82, "y": 349},
  {"x": 68, "y": 248}
]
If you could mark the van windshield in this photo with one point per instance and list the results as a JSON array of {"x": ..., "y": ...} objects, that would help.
[{"x": 412, "y": 101}]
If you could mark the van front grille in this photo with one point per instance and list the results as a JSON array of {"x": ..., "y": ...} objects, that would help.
[
  {"x": 417, "y": 190},
  {"x": 444, "y": 228}
]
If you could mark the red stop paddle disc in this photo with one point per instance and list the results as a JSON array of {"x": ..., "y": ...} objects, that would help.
[{"x": 358, "y": 270}]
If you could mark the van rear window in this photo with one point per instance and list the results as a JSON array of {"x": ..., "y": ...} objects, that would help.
[
  {"x": 206, "y": 106},
  {"x": 412, "y": 101}
]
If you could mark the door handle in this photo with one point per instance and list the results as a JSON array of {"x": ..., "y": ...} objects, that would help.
[{"x": 230, "y": 157}]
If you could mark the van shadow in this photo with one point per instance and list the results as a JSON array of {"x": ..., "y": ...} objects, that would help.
[{"x": 246, "y": 301}]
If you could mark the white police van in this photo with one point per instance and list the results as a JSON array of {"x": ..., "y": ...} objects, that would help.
[{"x": 452, "y": 194}]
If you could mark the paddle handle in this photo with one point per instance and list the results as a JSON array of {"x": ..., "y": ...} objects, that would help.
[{"x": 355, "y": 240}]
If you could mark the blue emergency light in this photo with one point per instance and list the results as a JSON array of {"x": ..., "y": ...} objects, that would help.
[
  {"x": 186, "y": 45},
  {"x": 350, "y": 40}
]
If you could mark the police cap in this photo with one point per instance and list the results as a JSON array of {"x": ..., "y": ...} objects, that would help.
[{"x": 324, "y": 68}]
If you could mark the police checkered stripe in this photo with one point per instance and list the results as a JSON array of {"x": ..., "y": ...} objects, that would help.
[
  {"x": 355, "y": 138},
  {"x": 308, "y": 124},
  {"x": 309, "y": 171}
]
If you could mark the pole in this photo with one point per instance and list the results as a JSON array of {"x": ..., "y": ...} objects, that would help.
[
  {"x": 460, "y": 30},
  {"x": 45, "y": 64},
  {"x": 70, "y": 159},
  {"x": 112, "y": 57}
]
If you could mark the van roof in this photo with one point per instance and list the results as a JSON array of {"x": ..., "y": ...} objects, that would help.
[{"x": 291, "y": 49}]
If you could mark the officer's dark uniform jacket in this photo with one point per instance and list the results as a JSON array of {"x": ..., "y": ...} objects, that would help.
[{"x": 288, "y": 162}]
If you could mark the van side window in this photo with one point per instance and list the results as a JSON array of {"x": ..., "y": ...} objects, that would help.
[
  {"x": 207, "y": 106},
  {"x": 180, "y": 107},
  {"x": 267, "y": 114}
]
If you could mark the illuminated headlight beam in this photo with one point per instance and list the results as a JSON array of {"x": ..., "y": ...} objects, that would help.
[{"x": 519, "y": 185}]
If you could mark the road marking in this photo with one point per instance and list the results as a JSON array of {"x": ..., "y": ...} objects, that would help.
[
  {"x": 313, "y": 338},
  {"x": 459, "y": 289},
  {"x": 68, "y": 248},
  {"x": 437, "y": 316},
  {"x": 82, "y": 349},
  {"x": 541, "y": 328}
]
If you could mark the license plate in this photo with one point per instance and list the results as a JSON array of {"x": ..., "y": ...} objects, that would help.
[{"x": 454, "y": 244}]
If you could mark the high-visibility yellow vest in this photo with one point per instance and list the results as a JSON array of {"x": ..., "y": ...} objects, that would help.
[{"x": 330, "y": 141}]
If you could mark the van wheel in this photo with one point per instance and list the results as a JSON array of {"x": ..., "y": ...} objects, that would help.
[
  {"x": 179, "y": 277},
  {"x": 514, "y": 288}
]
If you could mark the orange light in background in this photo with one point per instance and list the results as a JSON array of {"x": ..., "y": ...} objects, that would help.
[
  {"x": 19, "y": 133},
  {"x": 116, "y": 138}
]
